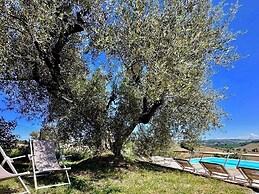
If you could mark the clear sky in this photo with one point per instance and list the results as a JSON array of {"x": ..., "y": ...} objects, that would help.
[{"x": 243, "y": 82}]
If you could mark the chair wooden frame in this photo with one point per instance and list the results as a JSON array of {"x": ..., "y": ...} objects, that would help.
[
  {"x": 187, "y": 166},
  {"x": 217, "y": 170},
  {"x": 250, "y": 174}
]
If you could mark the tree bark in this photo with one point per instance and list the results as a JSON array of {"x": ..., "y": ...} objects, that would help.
[
  {"x": 116, "y": 149},
  {"x": 145, "y": 117}
]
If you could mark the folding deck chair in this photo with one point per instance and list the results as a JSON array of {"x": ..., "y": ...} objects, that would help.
[
  {"x": 250, "y": 174},
  {"x": 44, "y": 160},
  {"x": 218, "y": 170},
  {"x": 4, "y": 175},
  {"x": 187, "y": 166}
]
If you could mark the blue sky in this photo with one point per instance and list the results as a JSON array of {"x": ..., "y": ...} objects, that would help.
[{"x": 243, "y": 82}]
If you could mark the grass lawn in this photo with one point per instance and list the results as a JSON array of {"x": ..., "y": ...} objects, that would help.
[{"x": 106, "y": 176}]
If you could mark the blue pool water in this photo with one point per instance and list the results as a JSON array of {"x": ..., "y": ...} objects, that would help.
[{"x": 231, "y": 163}]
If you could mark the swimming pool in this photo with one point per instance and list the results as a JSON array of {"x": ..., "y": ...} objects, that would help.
[{"x": 231, "y": 163}]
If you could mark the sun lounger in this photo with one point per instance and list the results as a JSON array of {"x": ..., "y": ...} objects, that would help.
[
  {"x": 187, "y": 166},
  {"x": 250, "y": 174},
  {"x": 4, "y": 175},
  {"x": 44, "y": 160},
  {"x": 216, "y": 170}
]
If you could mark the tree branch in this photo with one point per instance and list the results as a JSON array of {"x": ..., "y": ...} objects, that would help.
[
  {"x": 52, "y": 59},
  {"x": 145, "y": 108},
  {"x": 27, "y": 28},
  {"x": 112, "y": 98},
  {"x": 146, "y": 116}
]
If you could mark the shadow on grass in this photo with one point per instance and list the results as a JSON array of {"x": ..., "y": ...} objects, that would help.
[
  {"x": 6, "y": 190},
  {"x": 102, "y": 162},
  {"x": 94, "y": 175},
  {"x": 153, "y": 167},
  {"x": 48, "y": 178},
  {"x": 93, "y": 170},
  {"x": 107, "y": 166}
]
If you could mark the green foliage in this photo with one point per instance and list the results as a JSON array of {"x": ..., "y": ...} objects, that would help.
[
  {"x": 190, "y": 142},
  {"x": 149, "y": 141},
  {"x": 128, "y": 150},
  {"x": 34, "y": 134},
  {"x": 80, "y": 184},
  {"x": 75, "y": 155},
  {"x": 187, "y": 145},
  {"x": 97, "y": 70},
  {"x": 15, "y": 152},
  {"x": 7, "y": 139},
  {"x": 20, "y": 151}
]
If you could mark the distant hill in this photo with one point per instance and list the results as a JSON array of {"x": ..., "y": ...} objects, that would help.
[
  {"x": 228, "y": 143},
  {"x": 251, "y": 147}
]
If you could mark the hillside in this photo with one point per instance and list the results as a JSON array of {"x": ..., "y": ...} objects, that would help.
[
  {"x": 251, "y": 147},
  {"x": 228, "y": 143},
  {"x": 208, "y": 149}
]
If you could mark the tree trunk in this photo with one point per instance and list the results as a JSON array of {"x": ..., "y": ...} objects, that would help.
[
  {"x": 122, "y": 134},
  {"x": 116, "y": 149},
  {"x": 120, "y": 138}
]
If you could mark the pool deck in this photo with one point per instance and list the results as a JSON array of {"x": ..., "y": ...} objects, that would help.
[{"x": 171, "y": 163}]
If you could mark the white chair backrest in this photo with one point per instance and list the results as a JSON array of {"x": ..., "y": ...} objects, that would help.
[{"x": 45, "y": 155}]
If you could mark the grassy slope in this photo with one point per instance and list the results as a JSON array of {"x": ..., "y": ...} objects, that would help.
[{"x": 94, "y": 177}]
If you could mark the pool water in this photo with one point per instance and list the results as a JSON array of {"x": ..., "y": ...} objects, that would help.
[{"x": 231, "y": 163}]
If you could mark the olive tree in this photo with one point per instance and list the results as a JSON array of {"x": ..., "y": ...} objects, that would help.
[
  {"x": 99, "y": 69},
  {"x": 167, "y": 51}
]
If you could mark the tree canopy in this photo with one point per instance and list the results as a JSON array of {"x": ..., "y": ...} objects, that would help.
[
  {"x": 97, "y": 70},
  {"x": 7, "y": 139}
]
